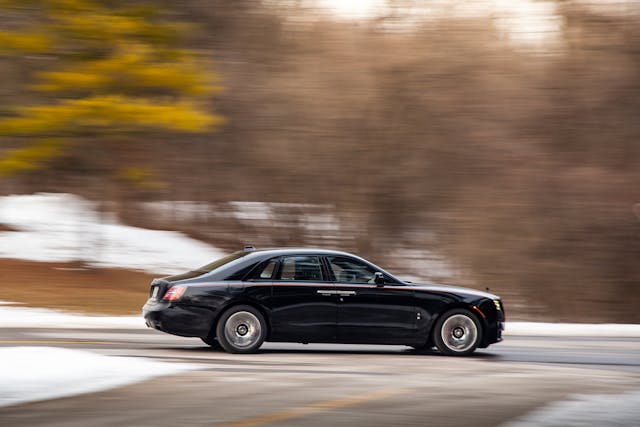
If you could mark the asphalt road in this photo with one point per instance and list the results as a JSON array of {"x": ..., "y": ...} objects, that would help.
[{"x": 336, "y": 385}]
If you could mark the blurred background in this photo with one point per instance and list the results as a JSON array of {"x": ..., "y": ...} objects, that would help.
[{"x": 485, "y": 143}]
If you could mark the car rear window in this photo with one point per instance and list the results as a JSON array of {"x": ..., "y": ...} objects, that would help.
[
  {"x": 209, "y": 267},
  {"x": 222, "y": 261}
]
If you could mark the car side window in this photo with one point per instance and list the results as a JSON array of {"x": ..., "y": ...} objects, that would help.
[
  {"x": 240, "y": 274},
  {"x": 301, "y": 268},
  {"x": 265, "y": 271},
  {"x": 351, "y": 271}
]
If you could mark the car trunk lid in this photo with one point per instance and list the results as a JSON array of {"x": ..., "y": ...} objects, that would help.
[{"x": 158, "y": 288}]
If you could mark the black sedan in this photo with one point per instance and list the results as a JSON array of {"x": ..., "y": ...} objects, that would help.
[{"x": 320, "y": 296}]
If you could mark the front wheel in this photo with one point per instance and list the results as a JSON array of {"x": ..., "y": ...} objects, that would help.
[
  {"x": 457, "y": 333},
  {"x": 241, "y": 329}
]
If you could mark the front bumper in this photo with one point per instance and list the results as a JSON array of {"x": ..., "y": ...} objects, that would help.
[
  {"x": 177, "y": 319},
  {"x": 499, "y": 331},
  {"x": 494, "y": 321}
]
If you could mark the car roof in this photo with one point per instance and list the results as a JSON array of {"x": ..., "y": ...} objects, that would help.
[{"x": 294, "y": 250}]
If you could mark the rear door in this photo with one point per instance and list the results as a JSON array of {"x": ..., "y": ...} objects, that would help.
[
  {"x": 303, "y": 303},
  {"x": 368, "y": 313}
]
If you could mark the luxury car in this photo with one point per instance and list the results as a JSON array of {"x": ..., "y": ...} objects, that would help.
[{"x": 319, "y": 296}]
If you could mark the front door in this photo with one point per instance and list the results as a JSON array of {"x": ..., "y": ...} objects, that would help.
[{"x": 368, "y": 313}]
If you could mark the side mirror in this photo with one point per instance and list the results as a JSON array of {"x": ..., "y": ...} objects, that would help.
[{"x": 378, "y": 278}]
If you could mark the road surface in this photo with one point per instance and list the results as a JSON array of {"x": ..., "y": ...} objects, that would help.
[{"x": 330, "y": 385}]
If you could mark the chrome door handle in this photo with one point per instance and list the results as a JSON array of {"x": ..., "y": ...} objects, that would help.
[
  {"x": 345, "y": 293},
  {"x": 332, "y": 292}
]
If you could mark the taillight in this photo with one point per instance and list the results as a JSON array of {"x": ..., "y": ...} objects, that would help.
[{"x": 174, "y": 293}]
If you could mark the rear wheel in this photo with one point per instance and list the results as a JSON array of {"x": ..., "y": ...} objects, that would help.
[
  {"x": 241, "y": 329},
  {"x": 457, "y": 333}
]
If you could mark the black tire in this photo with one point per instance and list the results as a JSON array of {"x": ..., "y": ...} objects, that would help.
[
  {"x": 457, "y": 332},
  {"x": 212, "y": 342},
  {"x": 241, "y": 329}
]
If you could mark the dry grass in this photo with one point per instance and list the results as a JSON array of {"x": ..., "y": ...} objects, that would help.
[{"x": 69, "y": 286}]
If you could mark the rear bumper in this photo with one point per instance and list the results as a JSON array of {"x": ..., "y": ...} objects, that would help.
[{"x": 182, "y": 320}]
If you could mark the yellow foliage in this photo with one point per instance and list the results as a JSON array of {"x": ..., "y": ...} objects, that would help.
[
  {"x": 135, "y": 68},
  {"x": 118, "y": 70},
  {"x": 69, "y": 80},
  {"x": 24, "y": 42},
  {"x": 107, "y": 114},
  {"x": 32, "y": 157}
]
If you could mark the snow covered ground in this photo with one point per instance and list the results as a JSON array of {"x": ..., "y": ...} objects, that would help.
[
  {"x": 38, "y": 373},
  {"x": 614, "y": 410},
  {"x": 64, "y": 227},
  {"x": 612, "y": 330},
  {"x": 23, "y": 317}
]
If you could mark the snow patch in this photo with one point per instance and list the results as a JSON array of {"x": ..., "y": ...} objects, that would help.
[
  {"x": 64, "y": 227},
  {"x": 317, "y": 220},
  {"x": 585, "y": 410},
  {"x": 29, "y": 374},
  {"x": 25, "y": 317},
  {"x": 572, "y": 329}
]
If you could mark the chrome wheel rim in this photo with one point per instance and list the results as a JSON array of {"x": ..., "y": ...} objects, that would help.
[
  {"x": 242, "y": 329},
  {"x": 459, "y": 333}
]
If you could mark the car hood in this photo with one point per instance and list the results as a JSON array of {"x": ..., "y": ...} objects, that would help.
[{"x": 453, "y": 290}]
